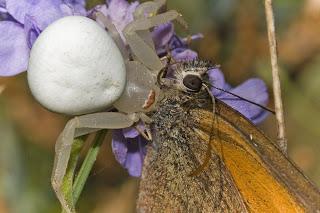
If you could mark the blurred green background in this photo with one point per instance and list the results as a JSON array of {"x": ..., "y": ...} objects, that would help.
[{"x": 235, "y": 37}]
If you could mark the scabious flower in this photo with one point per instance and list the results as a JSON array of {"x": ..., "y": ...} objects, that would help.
[
  {"x": 253, "y": 89},
  {"x": 119, "y": 12},
  {"x": 129, "y": 148},
  {"x": 22, "y": 22}
]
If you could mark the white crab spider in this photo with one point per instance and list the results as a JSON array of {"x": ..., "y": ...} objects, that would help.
[{"x": 132, "y": 77}]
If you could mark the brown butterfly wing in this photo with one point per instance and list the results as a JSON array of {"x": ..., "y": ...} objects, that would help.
[
  {"x": 266, "y": 179},
  {"x": 240, "y": 176}
]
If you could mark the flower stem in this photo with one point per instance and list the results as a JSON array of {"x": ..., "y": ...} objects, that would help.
[
  {"x": 67, "y": 184},
  {"x": 87, "y": 165},
  {"x": 275, "y": 76}
]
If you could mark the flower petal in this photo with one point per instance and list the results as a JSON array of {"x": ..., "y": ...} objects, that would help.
[
  {"x": 31, "y": 30},
  {"x": 121, "y": 13},
  {"x": 74, "y": 7},
  {"x": 75, "y": 2},
  {"x": 258, "y": 118},
  {"x": 136, "y": 153},
  {"x": 3, "y": 14},
  {"x": 188, "y": 39},
  {"x": 119, "y": 146},
  {"x": 216, "y": 78},
  {"x": 3, "y": 10},
  {"x": 182, "y": 54},
  {"x": 3, "y": 6},
  {"x": 173, "y": 43},
  {"x": 14, "y": 51},
  {"x": 162, "y": 34},
  {"x": 43, "y": 12},
  {"x": 129, "y": 152},
  {"x": 130, "y": 132},
  {"x": 254, "y": 90}
]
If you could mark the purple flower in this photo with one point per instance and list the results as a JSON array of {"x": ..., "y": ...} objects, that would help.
[
  {"x": 3, "y": 6},
  {"x": 253, "y": 89},
  {"x": 129, "y": 149},
  {"x": 120, "y": 13},
  {"x": 24, "y": 20},
  {"x": 166, "y": 40}
]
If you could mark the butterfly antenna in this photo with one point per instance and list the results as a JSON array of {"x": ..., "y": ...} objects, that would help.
[
  {"x": 247, "y": 100},
  {"x": 212, "y": 99}
]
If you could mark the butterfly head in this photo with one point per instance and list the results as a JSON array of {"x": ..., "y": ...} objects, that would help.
[{"x": 190, "y": 76}]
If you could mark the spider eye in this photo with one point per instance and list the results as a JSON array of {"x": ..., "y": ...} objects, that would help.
[{"x": 192, "y": 82}]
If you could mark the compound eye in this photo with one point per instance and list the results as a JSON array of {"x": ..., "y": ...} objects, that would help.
[{"x": 192, "y": 82}]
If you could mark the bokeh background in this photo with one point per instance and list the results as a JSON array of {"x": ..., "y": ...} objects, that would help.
[{"x": 235, "y": 37}]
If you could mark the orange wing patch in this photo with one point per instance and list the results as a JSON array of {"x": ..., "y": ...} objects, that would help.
[{"x": 261, "y": 189}]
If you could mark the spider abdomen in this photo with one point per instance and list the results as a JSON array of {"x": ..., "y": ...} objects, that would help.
[{"x": 75, "y": 67}]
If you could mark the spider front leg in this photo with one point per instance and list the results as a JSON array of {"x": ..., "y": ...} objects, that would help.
[
  {"x": 103, "y": 120},
  {"x": 150, "y": 8},
  {"x": 140, "y": 48}
]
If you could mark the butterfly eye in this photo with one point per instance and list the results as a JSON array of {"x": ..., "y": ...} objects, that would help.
[{"x": 192, "y": 82}]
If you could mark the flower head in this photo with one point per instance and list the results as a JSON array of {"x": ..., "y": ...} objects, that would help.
[
  {"x": 253, "y": 89},
  {"x": 24, "y": 20},
  {"x": 119, "y": 12},
  {"x": 165, "y": 39},
  {"x": 129, "y": 149}
]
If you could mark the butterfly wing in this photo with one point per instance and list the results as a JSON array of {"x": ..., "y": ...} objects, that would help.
[
  {"x": 266, "y": 178},
  {"x": 246, "y": 171}
]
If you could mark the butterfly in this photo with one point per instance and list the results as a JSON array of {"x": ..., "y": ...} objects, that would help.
[{"x": 207, "y": 157}]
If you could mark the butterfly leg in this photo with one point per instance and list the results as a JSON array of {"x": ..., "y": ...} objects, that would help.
[{"x": 104, "y": 120}]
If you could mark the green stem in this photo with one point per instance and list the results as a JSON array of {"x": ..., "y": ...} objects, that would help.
[
  {"x": 67, "y": 184},
  {"x": 87, "y": 165}
]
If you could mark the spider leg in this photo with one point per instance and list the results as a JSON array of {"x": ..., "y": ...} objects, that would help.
[
  {"x": 100, "y": 17},
  {"x": 103, "y": 120},
  {"x": 139, "y": 46},
  {"x": 150, "y": 8}
]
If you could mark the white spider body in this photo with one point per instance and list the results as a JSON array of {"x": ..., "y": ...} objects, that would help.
[{"x": 75, "y": 67}]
